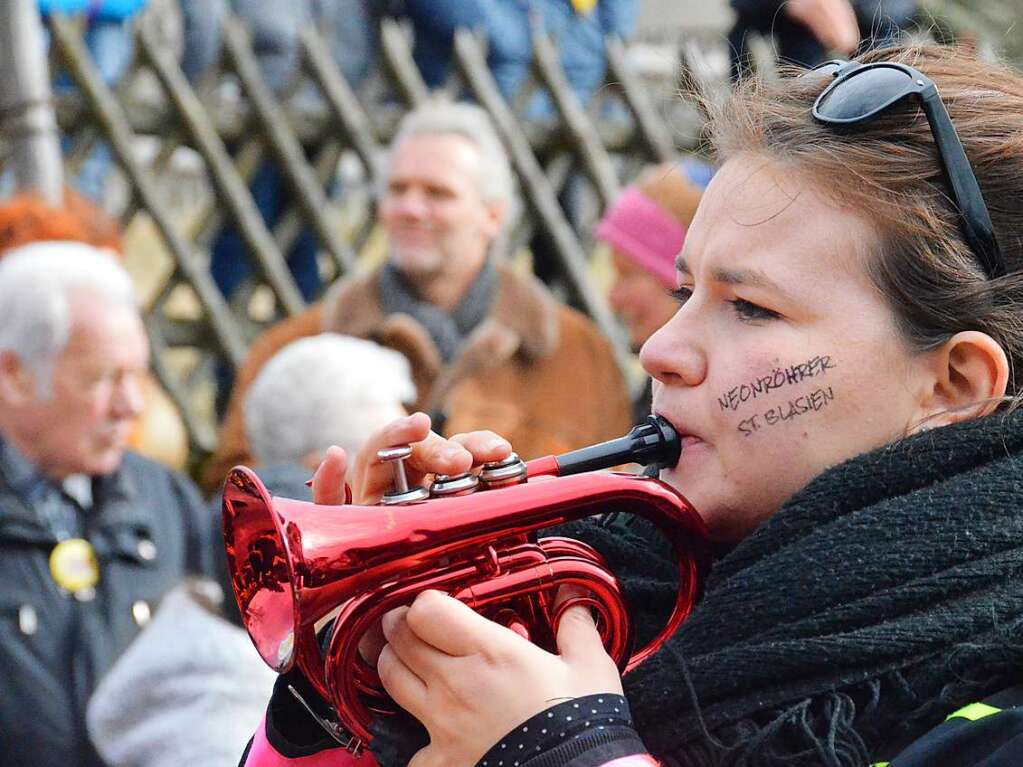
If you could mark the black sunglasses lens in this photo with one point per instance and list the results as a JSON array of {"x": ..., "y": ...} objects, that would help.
[{"x": 863, "y": 92}]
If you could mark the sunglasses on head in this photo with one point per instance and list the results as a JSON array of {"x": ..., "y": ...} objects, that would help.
[{"x": 859, "y": 92}]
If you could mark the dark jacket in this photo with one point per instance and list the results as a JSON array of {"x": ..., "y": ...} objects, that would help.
[
  {"x": 148, "y": 527},
  {"x": 985, "y": 734}
]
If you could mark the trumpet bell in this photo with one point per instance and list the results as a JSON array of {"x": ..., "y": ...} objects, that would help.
[{"x": 261, "y": 567}]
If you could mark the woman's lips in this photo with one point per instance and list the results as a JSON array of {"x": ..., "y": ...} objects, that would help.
[{"x": 687, "y": 438}]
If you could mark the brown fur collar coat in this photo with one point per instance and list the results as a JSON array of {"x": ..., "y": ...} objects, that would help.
[{"x": 536, "y": 372}]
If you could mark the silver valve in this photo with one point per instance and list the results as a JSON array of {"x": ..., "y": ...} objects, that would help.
[
  {"x": 510, "y": 471},
  {"x": 445, "y": 485},
  {"x": 401, "y": 492}
]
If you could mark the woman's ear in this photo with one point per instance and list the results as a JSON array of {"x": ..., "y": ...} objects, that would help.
[{"x": 972, "y": 374}]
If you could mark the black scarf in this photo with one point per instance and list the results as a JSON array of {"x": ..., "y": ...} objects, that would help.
[
  {"x": 883, "y": 596},
  {"x": 448, "y": 330}
]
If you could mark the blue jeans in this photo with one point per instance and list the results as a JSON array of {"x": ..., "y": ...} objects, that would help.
[
  {"x": 229, "y": 265},
  {"x": 111, "y": 45}
]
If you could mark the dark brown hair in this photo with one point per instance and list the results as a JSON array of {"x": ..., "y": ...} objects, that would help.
[{"x": 888, "y": 171}]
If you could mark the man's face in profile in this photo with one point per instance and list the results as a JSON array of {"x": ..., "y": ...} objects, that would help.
[
  {"x": 82, "y": 424},
  {"x": 435, "y": 216}
]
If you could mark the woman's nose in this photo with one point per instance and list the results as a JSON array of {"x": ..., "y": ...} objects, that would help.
[{"x": 673, "y": 354}]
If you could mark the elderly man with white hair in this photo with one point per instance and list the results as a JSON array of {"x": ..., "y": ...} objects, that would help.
[
  {"x": 91, "y": 536},
  {"x": 489, "y": 347},
  {"x": 193, "y": 671}
]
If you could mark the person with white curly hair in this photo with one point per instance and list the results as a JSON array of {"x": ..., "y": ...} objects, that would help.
[{"x": 324, "y": 390}]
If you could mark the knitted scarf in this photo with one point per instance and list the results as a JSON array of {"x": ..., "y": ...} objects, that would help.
[
  {"x": 448, "y": 330},
  {"x": 884, "y": 595}
]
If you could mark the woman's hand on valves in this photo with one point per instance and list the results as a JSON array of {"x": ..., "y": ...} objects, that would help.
[
  {"x": 471, "y": 681},
  {"x": 370, "y": 478}
]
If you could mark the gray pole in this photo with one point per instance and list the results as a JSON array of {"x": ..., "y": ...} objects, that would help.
[{"x": 26, "y": 108}]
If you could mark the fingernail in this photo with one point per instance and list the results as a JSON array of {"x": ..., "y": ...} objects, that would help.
[
  {"x": 387, "y": 623},
  {"x": 496, "y": 444},
  {"x": 390, "y": 620}
]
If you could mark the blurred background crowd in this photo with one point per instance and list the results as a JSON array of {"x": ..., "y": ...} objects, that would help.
[{"x": 240, "y": 231}]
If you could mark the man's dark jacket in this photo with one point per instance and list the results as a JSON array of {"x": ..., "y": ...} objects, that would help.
[{"x": 148, "y": 527}]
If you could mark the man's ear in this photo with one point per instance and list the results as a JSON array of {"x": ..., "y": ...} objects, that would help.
[
  {"x": 497, "y": 213},
  {"x": 972, "y": 375},
  {"x": 17, "y": 384}
]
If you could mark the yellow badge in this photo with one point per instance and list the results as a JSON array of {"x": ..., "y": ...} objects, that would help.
[
  {"x": 584, "y": 6},
  {"x": 73, "y": 565}
]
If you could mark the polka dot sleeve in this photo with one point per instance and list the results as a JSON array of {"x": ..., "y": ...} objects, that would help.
[{"x": 583, "y": 732}]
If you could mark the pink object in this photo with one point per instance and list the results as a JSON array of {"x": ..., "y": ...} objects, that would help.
[
  {"x": 262, "y": 754},
  {"x": 640, "y": 229},
  {"x": 636, "y": 760}
]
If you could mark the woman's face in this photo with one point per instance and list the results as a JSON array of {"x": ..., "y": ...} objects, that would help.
[{"x": 783, "y": 358}]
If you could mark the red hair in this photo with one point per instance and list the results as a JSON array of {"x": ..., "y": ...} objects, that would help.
[{"x": 27, "y": 218}]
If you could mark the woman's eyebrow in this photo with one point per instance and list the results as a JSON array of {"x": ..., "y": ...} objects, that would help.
[{"x": 740, "y": 276}]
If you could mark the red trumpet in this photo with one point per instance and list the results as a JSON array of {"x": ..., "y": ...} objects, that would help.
[{"x": 311, "y": 580}]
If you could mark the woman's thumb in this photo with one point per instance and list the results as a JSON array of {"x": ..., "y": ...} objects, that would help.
[{"x": 577, "y": 635}]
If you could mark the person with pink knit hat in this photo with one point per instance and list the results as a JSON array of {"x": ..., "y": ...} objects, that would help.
[{"x": 645, "y": 229}]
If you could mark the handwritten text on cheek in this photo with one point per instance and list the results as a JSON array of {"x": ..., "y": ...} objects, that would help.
[
  {"x": 816, "y": 400},
  {"x": 776, "y": 379}
]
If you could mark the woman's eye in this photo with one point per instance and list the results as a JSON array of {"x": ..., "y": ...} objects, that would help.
[
  {"x": 750, "y": 312},
  {"x": 681, "y": 294}
]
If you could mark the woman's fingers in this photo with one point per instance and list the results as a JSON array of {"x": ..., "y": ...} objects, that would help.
[
  {"x": 485, "y": 446},
  {"x": 431, "y": 454},
  {"x": 424, "y": 659},
  {"x": 437, "y": 455},
  {"x": 579, "y": 643},
  {"x": 401, "y": 683},
  {"x": 373, "y": 477},
  {"x": 578, "y": 638},
  {"x": 454, "y": 628},
  {"x": 329, "y": 479}
]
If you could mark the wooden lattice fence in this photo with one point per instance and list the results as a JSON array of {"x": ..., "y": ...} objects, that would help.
[{"x": 232, "y": 123}]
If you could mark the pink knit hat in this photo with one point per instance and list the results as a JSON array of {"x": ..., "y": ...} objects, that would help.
[{"x": 643, "y": 231}]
